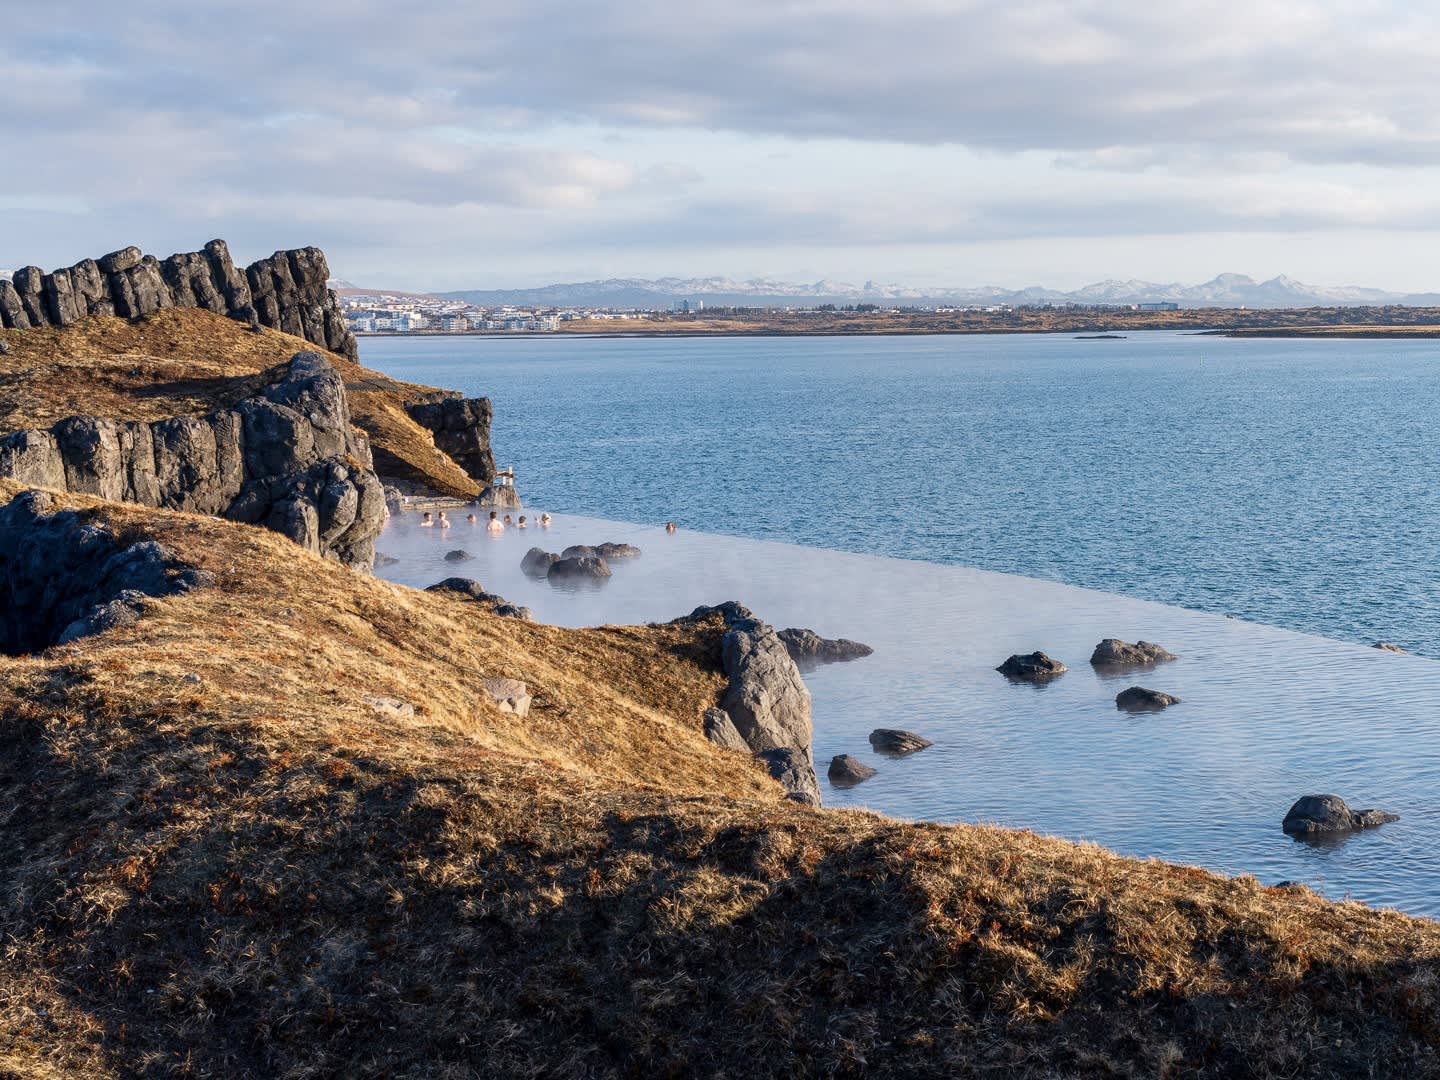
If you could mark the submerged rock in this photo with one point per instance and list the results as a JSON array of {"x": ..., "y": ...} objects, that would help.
[
  {"x": 1329, "y": 814},
  {"x": 580, "y": 551},
  {"x": 1112, "y": 652},
  {"x": 847, "y": 771},
  {"x": 896, "y": 743},
  {"x": 458, "y": 555},
  {"x": 582, "y": 568},
  {"x": 808, "y": 647},
  {"x": 381, "y": 559},
  {"x": 1033, "y": 667},
  {"x": 1139, "y": 699}
]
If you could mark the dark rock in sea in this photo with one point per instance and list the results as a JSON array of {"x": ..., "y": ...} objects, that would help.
[
  {"x": 1385, "y": 646},
  {"x": 1329, "y": 814},
  {"x": 1139, "y": 699},
  {"x": 287, "y": 458},
  {"x": 847, "y": 771},
  {"x": 617, "y": 551},
  {"x": 578, "y": 569},
  {"x": 458, "y": 555},
  {"x": 537, "y": 562},
  {"x": 1033, "y": 667},
  {"x": 63, "y": 577},
  {"x": 381, "y": 559},
  {"x": 766, "y": 701},
  {"x": 461, "y": 429},
  {"x": 808, "y": 648},
  {"x": 601, "y": 551},
  {"x": 893, "y": 742},
  {"x": 1112, "y": 652},
  {"x": 473, "y": 590}
]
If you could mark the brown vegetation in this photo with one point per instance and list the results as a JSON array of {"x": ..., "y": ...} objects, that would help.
[
  {"x": 182, "y": 361},
  {"x": 220, "y": 862}
]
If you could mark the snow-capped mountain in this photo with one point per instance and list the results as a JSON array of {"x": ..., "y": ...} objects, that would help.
[{"x": 1225, "y": 290}]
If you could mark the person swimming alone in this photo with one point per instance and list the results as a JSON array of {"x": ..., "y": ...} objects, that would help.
[
  {"x": 425, "y": 521},
  {"x": 494, "y": 525},
  {"x": 669, "y": 526}
]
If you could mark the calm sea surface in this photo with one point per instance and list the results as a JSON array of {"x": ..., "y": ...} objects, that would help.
[
  {"x": 1280, "y": 481},
  {"x": 1286, "y": 482}
]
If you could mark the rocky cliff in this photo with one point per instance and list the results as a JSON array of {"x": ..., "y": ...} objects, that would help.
[
  {"x": 285, "y": 292},
  {"x": 287, "y": 458},
  {"x": 461, "y": 427}
]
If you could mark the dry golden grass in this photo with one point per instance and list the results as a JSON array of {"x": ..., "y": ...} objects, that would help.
[
  {"x": 186, "y": 361},
  {"x": 254, "y": 875}
]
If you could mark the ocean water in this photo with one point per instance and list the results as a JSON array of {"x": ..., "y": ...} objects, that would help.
[
  {"x": 1177, "y": 478},
  {"x": 1289, "y": 482},
  {"x": 1266, "y": 715}
]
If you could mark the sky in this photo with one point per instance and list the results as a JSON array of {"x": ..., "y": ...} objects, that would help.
[{"x": 502, "y": 144}]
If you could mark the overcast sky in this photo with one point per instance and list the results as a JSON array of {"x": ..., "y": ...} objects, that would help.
[{"x": 928, "y": 142}]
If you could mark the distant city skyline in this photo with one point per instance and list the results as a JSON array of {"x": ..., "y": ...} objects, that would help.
[{"x": 519, "y": 145}]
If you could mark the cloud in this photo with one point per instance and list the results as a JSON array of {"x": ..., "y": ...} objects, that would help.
[{"x": 514, "y": 125}]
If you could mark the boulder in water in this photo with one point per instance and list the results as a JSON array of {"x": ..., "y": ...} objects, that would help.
[
  {"x": 537, "y": 562},
  {"x": 847, "y": 771},
  {"x": 1112, "y": 652},
  {"x": 1033, "y": 667},
  {"x": 458, "y": 555},
  {"x": 1139, "y": 699},
  {"x": 808, "y": 648},
  {"x": 1329, "y": 814},
  {"x": 893, "y": 742},
  {"x": 1385, "y": 646},
  {"x": 594, "y": 569}
]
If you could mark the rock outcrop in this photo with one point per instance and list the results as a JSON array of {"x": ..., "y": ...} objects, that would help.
[
  {"x": 809, "y": 649},
  {"x": 892, "y": 742},
  {"x": 1313, "y": 814},
  {"x": 1033, "y": 667},
  {"x": 473, "y": 590},
  {"x": 286, "y": 291},
  {"x": 1112, "y": 652},
  {"x": 1139, "y": 699},
  {"x": 287, "y": 459},
  {"x": 601, "y": 551},
  {"x": 63, "y": 578},
  {"x": 766, "y": 703},
  {"x": 461, "y": 429}
]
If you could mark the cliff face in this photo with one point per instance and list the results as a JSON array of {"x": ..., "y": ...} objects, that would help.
[
  {"x": 285, "y": 292},
  {"x": 461, "y": 427},
  {"x": 287, "y": 458}
]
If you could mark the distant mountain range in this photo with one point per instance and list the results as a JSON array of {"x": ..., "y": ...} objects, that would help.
[{"x": 1227, "y": 291}]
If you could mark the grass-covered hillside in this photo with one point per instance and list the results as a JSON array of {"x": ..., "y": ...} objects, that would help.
[{"x": 220, "y": 860}]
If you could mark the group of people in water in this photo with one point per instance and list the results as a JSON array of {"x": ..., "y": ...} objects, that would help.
[{"x": 494, "y": 525}]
